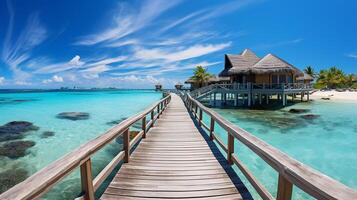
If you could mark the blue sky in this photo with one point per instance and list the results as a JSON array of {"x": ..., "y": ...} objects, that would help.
[{"x": 135, "y": 44}]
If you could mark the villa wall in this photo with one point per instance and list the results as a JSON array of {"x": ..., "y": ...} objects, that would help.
[{"x": 262, "y": 78}]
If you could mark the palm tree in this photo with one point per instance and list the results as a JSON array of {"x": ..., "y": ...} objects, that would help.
[
  {"x": 332, "y": 78},
  {"x": 310, "y": 71},
  {"x": 200, "y": 75}
]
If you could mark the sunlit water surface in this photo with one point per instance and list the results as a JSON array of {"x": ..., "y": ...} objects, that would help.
[
  {"x": 41, "y": 108},
  {"x": 327, "y": 143}
]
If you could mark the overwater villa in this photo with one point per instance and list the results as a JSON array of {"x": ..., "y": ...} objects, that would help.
[
  {"x": 158, "y": 87},
  {"x": 253, "y": 79},
  {"x": 178, "y": 86}
]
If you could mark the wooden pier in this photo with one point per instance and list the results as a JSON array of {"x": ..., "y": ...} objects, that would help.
[
  {"x": 174, "y": 161},
  {"x": 178, "y": 155}
]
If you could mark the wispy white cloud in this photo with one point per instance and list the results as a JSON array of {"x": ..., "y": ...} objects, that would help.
[
  {"x": 221, "y": 9},
  {"x": 130, "y": 19},
  {"x": 352, "y": 55},
  {"x": 93, "y": 72},
  {"x": 278, "y": 44},
  {"x": 122, "y": 43},
  {"x": 17, "y": 51},
  {"x": 160, "y": 70},
  {"x": 181, "y": 20},
  {"x": 55, "y": 78},
  {"x": 173, "y": 55},
  {"x": 75, "y": 62},
  {"x": 2, "y": 80},
  {"x": 108, "y": 61}
]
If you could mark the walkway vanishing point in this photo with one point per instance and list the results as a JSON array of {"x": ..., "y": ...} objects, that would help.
[{"x": 176, "y": 156}]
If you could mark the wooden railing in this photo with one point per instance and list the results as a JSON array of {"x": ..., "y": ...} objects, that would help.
[
  {"x": 42, "y": 181},
  {"x": 291, "y": 172},
  {"x": 250, "y": 87}
]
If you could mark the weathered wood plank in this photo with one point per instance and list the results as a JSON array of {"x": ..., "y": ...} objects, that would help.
[{"x": 174, "y": 161}]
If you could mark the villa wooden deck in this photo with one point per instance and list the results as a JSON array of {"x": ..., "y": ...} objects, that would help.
[{"x": 174, "y": 161}]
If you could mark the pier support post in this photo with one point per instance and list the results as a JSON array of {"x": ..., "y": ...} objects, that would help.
[
  {"x": 211, "y": 129},
  {"x": 267, "y": 98},
  {"x": 285, "y": 189},
  {"x": 230, "y": 148},
  {"x": 214, "y": 99},
  {"x": 200, "y": 117},
  {"x": 152, "y": 118},
  {"x": 308, "y": 96},
  {"x": 236, "y": 99},
  {"x": 284, "y": 99},
  {"x": 143, "y": 126},
  {"x": 126, "y": 144},
  {"x": 260, "y": 98},
  {"x": 302, "y": 96},
  {"x": 87, "y": 180},
  {"x": 249, "y": 99},
  {"x": 158, "y": 111}
]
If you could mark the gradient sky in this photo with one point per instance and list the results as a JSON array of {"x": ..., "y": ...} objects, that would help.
[{"x": 135, "y": 44}]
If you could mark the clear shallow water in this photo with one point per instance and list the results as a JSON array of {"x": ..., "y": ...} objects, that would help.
[
  {"x": 328, "y": 143},
  {"x": 41, "y": 108}
]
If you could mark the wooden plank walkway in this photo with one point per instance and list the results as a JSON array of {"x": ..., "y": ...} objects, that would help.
[{"x": 175, "y": 161}]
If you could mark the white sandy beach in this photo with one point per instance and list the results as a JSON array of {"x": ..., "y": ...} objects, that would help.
[{"x": 335, "y": 95}]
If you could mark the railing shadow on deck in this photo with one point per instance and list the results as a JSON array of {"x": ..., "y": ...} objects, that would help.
[
  {"x": 243, "y": 191},
  {"x": 41, "y": 182},
  {"x": 291, "y": 172}
]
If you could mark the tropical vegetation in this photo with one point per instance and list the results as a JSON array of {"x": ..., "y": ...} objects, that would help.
[
  {"x": 310, "y": 71},
  {"x": 333, "y": 78},
  {"x": 201, "y": 75}
]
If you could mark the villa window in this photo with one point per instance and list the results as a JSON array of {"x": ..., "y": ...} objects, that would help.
[
  {"x": 274, "y": 79},
  {"x": 282, "y": 78}
]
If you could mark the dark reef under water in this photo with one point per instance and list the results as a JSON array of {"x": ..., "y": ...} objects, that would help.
[{"x": 16, "y": 130}]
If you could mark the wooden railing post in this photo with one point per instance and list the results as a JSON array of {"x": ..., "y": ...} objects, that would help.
[
  {"x": 158, "y": 111},
  {"x": 126, "y": 142},
  {"x": 152, "y": 118},
  {"x": 195, "y": 110},
  {"x": 211, "y": 129},
  {"x": 230, "y": 148},
  {"x": 200, "y": 118},
  {"x": 87, "y": 180},
  {"x": 143, "y": 126},
  {"x": 285, "y": 189}
]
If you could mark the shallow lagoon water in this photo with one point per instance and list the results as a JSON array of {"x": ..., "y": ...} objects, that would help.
[
  {"x": 327, "y": 143},
  {"x": 41, "y": 109}
]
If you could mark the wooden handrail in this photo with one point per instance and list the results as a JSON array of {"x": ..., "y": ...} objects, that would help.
[
  {"x": 291, "y": 172},
  {"x": 42, "y": 181}
]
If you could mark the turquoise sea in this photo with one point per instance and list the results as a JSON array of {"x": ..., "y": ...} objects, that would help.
[
  {"x": 41, "y": 108},
  {"x": 328, "y": 143}
]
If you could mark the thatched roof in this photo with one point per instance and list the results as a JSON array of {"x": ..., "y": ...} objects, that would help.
[
  {"x": 213, "y": 79},
  {"x": 305, "y": 77},
  {"x": 249, "y": 63}
]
